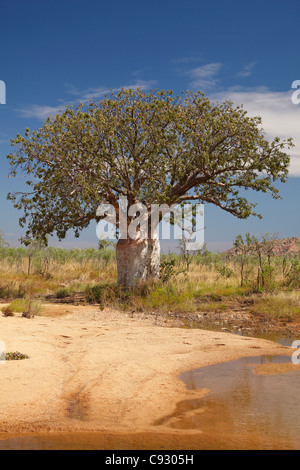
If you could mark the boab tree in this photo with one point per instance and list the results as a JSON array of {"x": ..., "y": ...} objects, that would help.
[{"x": 150, "y": 147}]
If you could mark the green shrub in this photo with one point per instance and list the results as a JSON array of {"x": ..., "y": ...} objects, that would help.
[
  {"x": 63, "y": 293},
  {"x": 105, "y": 294},
  {"x": 19, "y": 305},
  {"x": 34, "y": 307},
  {"x": 167, "y": 270},
  {"x": 225, "y": 272},
  {"x": 293, "y": 276}
]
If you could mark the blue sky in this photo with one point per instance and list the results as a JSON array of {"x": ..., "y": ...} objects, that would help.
[{"x": 66, "y": 51}]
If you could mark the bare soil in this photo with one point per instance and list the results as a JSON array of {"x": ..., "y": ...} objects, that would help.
[
  {"x": 237, "y": 318},
  {"x": 92, "y": 370}
]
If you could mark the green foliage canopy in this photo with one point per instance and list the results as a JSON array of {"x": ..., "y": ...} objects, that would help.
[{"x": 152, "y": 147}]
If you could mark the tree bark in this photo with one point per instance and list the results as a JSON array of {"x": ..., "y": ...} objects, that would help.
[{"x": 137, "y": 260}]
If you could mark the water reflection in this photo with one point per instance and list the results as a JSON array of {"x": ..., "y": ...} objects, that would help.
[{"x": 253, "y": 410}]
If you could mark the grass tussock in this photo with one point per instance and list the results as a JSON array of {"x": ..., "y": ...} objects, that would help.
[
  {"x": 280, "y": 306},
  {"x": 33, "y": 307},
  {"x": 7, "y": 311}
]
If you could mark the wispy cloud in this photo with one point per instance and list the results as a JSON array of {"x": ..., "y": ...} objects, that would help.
[
  {"x": 85, "y": 94},
  {"x": 41, "y": 112},
  {"x": 280, "y": 117},
  {"x": 205, "y": 76},
  {"x": 38, "y": 111},
  {"x": 141, "y": 71},
  {"x": 94, "y": 93},
  {"x": 247, "y": 70}
]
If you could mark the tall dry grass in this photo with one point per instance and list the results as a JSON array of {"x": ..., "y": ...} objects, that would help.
[
  {"x": 47, "y": 272},
  {"x": 209, "y": 282}
]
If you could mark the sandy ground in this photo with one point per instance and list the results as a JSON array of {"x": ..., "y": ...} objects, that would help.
[{"x": 92, "y": 370}]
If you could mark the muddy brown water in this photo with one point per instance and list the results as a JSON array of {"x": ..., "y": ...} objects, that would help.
[
  {"x": 253, "y": 403},
  {"x": 244, "y": 408}
]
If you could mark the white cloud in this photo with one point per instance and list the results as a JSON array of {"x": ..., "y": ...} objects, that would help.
[
  {"x": 86, "y": 94},
  {"x": 204, "y": 76},
  {"x": 247, "y": 70},
  {"x": 38, "y": 111},
  {"x": 93, "y": 93},
  {"x": 41, "y": 112},
  {"x": 280, "y": 117},
  {"x": 71, "y": 89}
]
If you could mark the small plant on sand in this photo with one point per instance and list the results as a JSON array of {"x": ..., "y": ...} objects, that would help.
[
  {"x": 7, "y": 311},
  {"x": 14, "y": 356},
  {"x": 34, "y": 307}
]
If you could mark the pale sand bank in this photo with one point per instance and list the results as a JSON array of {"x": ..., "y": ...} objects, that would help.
[{"x": 104, "y": 371}]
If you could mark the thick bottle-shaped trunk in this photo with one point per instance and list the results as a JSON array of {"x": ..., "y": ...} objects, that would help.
[{"x": 137, "y": 260}]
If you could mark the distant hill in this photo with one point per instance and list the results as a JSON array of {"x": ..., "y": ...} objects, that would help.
[{"x": 282, "y": 246}]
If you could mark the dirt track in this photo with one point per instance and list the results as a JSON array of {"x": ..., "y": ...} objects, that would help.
[{"x": 104, "y": 371}]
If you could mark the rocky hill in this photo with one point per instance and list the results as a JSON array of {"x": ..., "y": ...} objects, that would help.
[{"x": 282, "y": 246}]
